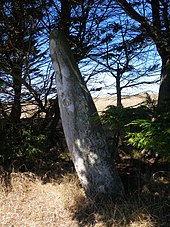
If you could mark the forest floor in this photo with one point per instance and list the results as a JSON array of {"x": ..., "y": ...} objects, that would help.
[{"x": 45, "y": 191}]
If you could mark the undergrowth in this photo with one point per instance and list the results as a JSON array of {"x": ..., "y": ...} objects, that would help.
[{"x": 27, "y": 200}]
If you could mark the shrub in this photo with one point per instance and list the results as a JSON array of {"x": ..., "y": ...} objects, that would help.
[
  {"x": 20, "y": 140},
  {"x": 31, "y": 143},
  {"x": 145, "y": 127},
  {"x": 114, "y": 120},
  {"x": 151, "y": 134}
]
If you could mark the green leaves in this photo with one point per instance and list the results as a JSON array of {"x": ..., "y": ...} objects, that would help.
[
  {"x": 150, "y": 135},
  {"x": 32, "y": 144},
  {"x": 141, "y": 128}
]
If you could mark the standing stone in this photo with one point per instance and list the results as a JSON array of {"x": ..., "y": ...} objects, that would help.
[{"x": 84, "y": 135}]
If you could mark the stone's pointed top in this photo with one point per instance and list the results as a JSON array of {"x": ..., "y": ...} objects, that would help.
[
  {"x": 58, "y": 35},
  {"x": 54, "y": 34},
  {"x": 59, "y": 44},
  {"x": 61, "y": 39}
]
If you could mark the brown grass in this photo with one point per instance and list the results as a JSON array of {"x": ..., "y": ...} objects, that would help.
[{"x": 26, "y": 201}]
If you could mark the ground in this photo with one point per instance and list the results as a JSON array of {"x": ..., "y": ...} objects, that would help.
[{"x": 45, "y": 191}]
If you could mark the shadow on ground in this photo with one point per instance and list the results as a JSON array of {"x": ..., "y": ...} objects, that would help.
[
  {"x": 146, "y": 201},
  {"x": 147, "y": 187},
  {"x": 132, "y": 210},
  {"x": 47, "y": 167}
]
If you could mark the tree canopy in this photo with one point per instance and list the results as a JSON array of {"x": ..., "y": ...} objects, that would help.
[
  {"x": 100, "y": 34},
  {"x": 153, "y": 17}
]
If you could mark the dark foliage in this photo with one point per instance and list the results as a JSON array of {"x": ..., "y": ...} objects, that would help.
[{"x": 143, "y": 128}]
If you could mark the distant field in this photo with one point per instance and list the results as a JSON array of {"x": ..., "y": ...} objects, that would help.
[
  {"x": 101, "y": 103},
  {"x": 127, "y": 101}
]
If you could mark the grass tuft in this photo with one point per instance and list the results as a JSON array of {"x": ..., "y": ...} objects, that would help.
[{"x": 25, "y": 200}]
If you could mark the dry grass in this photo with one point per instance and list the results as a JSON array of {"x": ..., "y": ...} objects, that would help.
[{"x": 26, "y": 201}]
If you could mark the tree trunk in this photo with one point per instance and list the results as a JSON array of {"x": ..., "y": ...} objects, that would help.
[
  {"x": 164, "y": 90},
  {"x": 160, "y": 33},
  {"x": 65, "y": 17},
  {"x": 118, "y": 90},
  {"x": 16, "y": 107},
  {"x": 84, "y": 134}
]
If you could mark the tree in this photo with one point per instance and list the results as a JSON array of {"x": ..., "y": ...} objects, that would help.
[
  {"x": 93, "y": 29},
  {"x": 22, "y": 55},
  {"x": 125, "y": 56},
  {"x": 85, "y": 138},
  {"x": 82, "y": 22},
  {"x": 153, "y": 16},
  {"x": 24, "y": 79}
]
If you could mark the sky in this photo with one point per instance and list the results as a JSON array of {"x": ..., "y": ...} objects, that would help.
[{"x": 109, "y": 89}]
